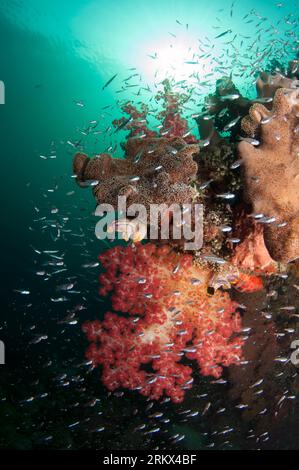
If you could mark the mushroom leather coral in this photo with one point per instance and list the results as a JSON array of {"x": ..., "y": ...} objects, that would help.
[
  {"x": 271, "y": 171},
  {"x": 155, "y": 170},
  {"x": 268, "y": 84},
  {"x": 169, "y": 315}
]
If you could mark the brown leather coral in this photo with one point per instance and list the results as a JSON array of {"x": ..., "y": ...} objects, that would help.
[
  {"x": 271, "y": 171},
  {"x": 267, "y": 84},
  {"x": 155, "y": 170}
]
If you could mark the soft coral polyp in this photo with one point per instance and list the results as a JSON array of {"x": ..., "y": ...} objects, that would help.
[{"x": 164, "y": 313}]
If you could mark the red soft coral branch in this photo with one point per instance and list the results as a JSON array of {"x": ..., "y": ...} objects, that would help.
[
  {"x": 170, "y": 315},
  {"x": 174, "y": 125}
]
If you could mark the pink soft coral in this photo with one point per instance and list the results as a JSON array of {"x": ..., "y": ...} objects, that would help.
[{"x": 170, "y": 315}]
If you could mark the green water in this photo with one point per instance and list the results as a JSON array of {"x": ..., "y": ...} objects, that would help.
[{"x": 54, "y": 54}]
